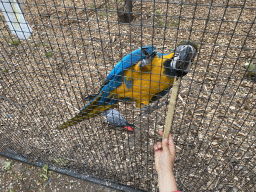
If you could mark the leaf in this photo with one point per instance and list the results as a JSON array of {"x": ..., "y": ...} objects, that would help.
[
  {"x": 11, "y": 190},
  {"x": 45, "y": 168},
  {"x": 48, "y": 54},
  {"x": 57, "y": 160},
  {"x": 45, "y": 176},
  {"x": 58, "y": 176},
  {"x": 66, "y": 162},
  {"x": 5, "y": 70},
  {"x": 15, "y": 42},
  {"x": 8, "y": 165}
]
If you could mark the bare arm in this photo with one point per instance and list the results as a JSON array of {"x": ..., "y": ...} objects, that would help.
[{"x": 164, "y": 162}]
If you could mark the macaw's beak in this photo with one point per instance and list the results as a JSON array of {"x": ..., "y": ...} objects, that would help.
[{"x": 186, "y": 56}]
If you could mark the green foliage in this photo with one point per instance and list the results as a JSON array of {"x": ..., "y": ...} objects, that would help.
[
  {"x": 48, "y": 54},
  {"x": 44, "y": 174},
  {"x": 45, "y": 168},
  {"x": 92, "y": 6},
  {"x": 250, "y": 68},
  {"x": 14, "y": 42},
  {"x": 4, "y": 70},
  {"x": 175, "y": 23},
  {"x": 60, "y": 161},
  {"x": 103, "y": 13},
  {"x": 159, "y": 22},
  {"x": 158, "y": 11},
  {"x": 107, "y": 6},
  {"x": 8, "y": 165},
  {"x": 20, "y": 177},
  {"x": 40, "y": 44}
]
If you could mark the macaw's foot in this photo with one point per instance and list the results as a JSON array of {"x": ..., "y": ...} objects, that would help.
[
  {"x": 148, "y": 59},
  {"x": 148, "y": 109}
]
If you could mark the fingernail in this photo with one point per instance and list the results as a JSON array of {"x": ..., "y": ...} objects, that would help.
[
  {"x": 165, "y": 140},
  {"x": 159, "y": 146}
]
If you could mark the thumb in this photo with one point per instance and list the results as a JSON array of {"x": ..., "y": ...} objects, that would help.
[{"x": 165, "y": 144}]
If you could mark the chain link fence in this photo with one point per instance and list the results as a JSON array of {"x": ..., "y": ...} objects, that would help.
[{"x": 57, "y": 53}]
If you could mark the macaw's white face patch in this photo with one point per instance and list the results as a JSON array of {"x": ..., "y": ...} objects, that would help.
[{"x": 183, "y": 57}]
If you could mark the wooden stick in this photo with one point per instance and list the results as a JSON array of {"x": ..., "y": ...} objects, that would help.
[{"x": 171, "y": 108}]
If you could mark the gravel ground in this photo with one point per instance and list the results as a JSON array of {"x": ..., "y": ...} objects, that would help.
[{"x": 25, "y": 177}]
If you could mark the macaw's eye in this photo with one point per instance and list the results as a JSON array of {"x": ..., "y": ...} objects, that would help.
[
  {"x": 183, "y": 65},
  {"x": 176, "y": 54}
]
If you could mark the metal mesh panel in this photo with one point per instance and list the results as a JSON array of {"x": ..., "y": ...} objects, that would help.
[{"x": 75, "y": 44}]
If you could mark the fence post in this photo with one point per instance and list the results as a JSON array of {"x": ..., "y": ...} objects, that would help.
[{"x": 128, "y": 8}]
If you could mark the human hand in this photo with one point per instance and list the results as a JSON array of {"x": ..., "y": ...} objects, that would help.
[
  {"x": 164, "y": 162},
  {"x": 164, "y": 154}
]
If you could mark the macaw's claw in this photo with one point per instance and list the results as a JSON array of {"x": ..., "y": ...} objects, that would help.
[{"x": 148, "y": 109}]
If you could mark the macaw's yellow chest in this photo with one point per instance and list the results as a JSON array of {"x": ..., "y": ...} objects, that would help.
[{"x": 140, "y": 85}]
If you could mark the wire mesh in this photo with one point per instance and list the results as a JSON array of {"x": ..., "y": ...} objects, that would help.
[{"x": 75, "y": 44}]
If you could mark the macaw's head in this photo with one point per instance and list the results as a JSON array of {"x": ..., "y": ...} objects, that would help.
[{"x": 183, "y": 57}]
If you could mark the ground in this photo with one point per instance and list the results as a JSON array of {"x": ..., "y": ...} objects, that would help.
[
  {"x": 73, "y": 47},
  {"x": 24, "y": 177}
]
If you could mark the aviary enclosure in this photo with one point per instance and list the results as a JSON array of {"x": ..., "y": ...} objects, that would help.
[{"x": 73, "y": 45}]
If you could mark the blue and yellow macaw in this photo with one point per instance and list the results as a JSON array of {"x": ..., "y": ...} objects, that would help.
[{"x": 142, "y": 76}]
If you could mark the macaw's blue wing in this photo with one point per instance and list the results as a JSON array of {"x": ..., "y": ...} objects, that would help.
[{"x": 130, "y": 60}]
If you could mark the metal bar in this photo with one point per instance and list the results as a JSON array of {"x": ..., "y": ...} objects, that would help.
[{"x": 71, "y": 172}]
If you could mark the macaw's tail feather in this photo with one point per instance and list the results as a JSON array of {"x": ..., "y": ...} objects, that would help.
[{"x": 90, "y": 110}]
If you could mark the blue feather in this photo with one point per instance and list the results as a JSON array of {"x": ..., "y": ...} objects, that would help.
[{"x": 129, "y": 60}]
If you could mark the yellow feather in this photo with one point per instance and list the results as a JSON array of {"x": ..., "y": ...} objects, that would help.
[{"x": 146, "y": 83}]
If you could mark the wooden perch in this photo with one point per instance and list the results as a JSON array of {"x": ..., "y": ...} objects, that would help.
[{"x": 171, "y": 108}]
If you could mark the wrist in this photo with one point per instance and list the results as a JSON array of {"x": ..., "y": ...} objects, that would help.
[
  {"x": 165, "y": 174},
  {"x": 166, "y": 171},
  {"x": 166, "y": 182}
]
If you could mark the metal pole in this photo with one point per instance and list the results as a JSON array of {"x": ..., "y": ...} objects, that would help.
[{"x": 128, "y": 8}]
